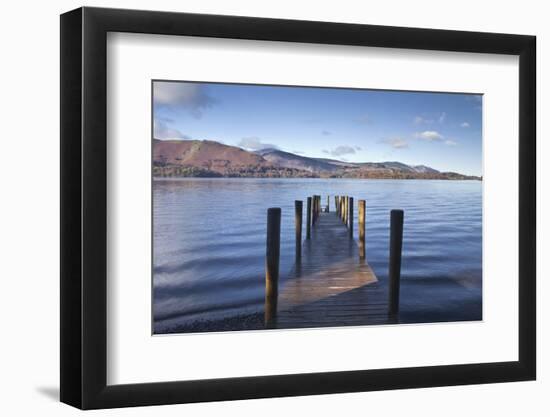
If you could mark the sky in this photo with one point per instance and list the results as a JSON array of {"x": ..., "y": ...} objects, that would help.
[{"x": 440, "y": 130}]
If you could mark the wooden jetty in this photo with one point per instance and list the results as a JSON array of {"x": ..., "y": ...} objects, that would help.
[{"x": 331, "y": 283}]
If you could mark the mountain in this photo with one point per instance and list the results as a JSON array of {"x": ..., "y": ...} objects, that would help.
[
  {"x": 206, "y": 153},
  {"x": 335, "y": 162},
  {"x": 424, "y": 169},
  {"x": 207, "y": 158},
  {"x": 290, "y": 160}
]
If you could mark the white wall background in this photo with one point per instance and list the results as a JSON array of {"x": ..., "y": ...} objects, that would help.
[{"x": 29, "y": 225}]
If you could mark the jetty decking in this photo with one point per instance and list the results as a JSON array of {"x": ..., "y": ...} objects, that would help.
[{"x": 331, "y": 283}]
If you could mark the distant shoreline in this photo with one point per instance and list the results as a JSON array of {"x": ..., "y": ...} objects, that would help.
[
  {"x": 156, "y": 177},
  {"x": 211, "y": 159}
]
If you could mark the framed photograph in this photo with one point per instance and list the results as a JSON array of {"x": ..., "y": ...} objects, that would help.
[{"x": 257, "y": 207}]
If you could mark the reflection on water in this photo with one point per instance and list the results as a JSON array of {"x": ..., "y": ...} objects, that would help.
[{"x": 209, "y": 243}]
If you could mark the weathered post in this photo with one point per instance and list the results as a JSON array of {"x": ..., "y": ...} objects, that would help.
[
  {"x": 347, "y": 211},
  {"x": 336, "y": 204},
  {"x": 350, "y": 218},
  {"x": 342, "y": 199},
  {"x": 316, "y": 208},
  {"x": 273, "y": 244},
  {"x": 314, "y": 214},
  {"x": 362, "y": 214},
  {"x": 298, "y": 220},
  {"x": 346, "y": 205},
  {"x": 394, "y": 273},
  {"x": 308, "y": 226},
  {"x": 328, "y": 203},
  {"x": 312, "y": 210}
]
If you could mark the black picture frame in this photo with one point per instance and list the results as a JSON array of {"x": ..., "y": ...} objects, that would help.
[{"x": 84, "y": 207}]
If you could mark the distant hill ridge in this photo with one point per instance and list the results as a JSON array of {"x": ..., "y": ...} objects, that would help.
[{"x": 208, "y": 158}]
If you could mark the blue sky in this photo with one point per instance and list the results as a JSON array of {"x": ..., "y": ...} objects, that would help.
[{"x": 440, "y": 130}]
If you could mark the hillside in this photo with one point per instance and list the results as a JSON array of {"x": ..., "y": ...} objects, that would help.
[
  {"x": 196, "y": 158},
  {"x": 290, "y": 160},
  {"x": 204, "y": 153}
]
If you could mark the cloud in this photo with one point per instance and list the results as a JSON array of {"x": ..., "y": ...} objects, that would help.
[
  {"x": 358, "y": 148},
  {"x": 326, "y": 133},
  {"x": 465, "y": 124},
  {"x": 441, "y": 118},
  {"x": 191, "y": 97},
  {"x": 162, "y": 130},
  {"x": 396, "y": 142},
  {"x": 450, "y": 142},
  {"x": 325, "y": 151},
  {"x": 298, "y": 152},
  {"x": 429, "y": 135},
  {"x": 342, "y": 150},
  {"x": 418, "y": 120},
  {"x": 254, "y": 143}
]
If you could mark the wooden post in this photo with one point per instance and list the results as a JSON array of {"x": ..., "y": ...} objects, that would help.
[
  {"x": 317, "y": 206},
  {"x": 342, "y": 200},
  {"x": 273, "y": 246},
  {"x": 328, "y": 203},
  {"x": 308, "y": 226},
  {"x": 347, "y": 210},
  {"x": 298, "y": 220},
  {"x": 312, "y": 210},
  {"x": 394, "y": 273},
  {"x": 336, "y": 204},
  {"x": 346, "y": 205},
  {"x": 362, "y": 214},
  {"x": 314, "y": 214},
  {"x": 350, "y": 218}
]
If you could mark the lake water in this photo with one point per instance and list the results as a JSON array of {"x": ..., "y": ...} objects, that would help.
[{"x": 209, "y": 243}]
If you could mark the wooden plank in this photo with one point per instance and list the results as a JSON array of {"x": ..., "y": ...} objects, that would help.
[{"x": 331, "y": 285}]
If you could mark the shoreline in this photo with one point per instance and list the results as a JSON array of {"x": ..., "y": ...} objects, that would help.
[
  {"x": 166, "y": 178},
  {"x": 254, "y": 321}
]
